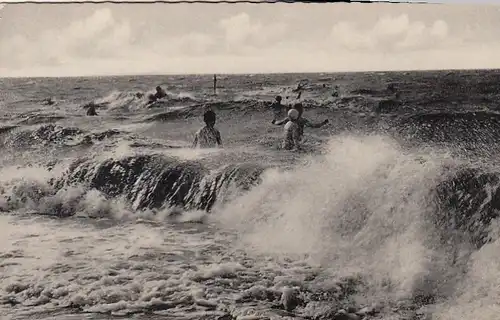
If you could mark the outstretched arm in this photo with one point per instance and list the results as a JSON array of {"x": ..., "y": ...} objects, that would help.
[
  {"x": 280, "y": 122},
  {"x": 315, "y": 125}
]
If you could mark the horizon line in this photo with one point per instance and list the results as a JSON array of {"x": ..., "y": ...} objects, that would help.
[{"x": 244, "y": 73}]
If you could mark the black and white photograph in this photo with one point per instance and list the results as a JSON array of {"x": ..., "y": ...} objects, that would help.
[{"x": 250, "y": 161}]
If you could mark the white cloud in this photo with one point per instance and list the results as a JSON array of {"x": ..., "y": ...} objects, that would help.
[
  {"x": 439, "y": 29},
  {"x": 98, "y": 35},
  {"x": 391, "y": 33},
  {"x": 191, "y": 44},
  {"x": 345, "y": 35},
  {"x": 389, "y": 26},
  {"x": 101, "y": 43},
  {"x": 241, "y": 34}
]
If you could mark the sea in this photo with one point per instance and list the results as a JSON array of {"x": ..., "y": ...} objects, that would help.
[{"x": 390, "y": 211}]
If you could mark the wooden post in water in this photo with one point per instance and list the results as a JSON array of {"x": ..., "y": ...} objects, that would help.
[{"x": 215, "y": 84}]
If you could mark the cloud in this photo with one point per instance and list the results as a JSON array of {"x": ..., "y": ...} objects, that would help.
[
  {"x": 191, "y": 44},
  {"x": 242, "y": 35},
  {"x": 2, "y": 5},
  {"x": 98, "y": 35},
  {"x": 101, "y": 36},
  {"x": 391, "y": 33},
  {"x": 104, "y": 43}
]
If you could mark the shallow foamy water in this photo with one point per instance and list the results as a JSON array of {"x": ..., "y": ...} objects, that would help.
[{"x": 51, "y": 266}]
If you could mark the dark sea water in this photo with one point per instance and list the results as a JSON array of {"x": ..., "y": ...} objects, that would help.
[{"x": 390, "y": 212}]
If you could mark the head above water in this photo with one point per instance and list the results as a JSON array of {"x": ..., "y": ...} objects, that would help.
[
  {"x": 278, "y": 98},
  {"x": 299, "y": 107},
  {"x": 293, "y": 114},
  {"x": 158, "y": 89},
  {"x": 209, "y": 118}
]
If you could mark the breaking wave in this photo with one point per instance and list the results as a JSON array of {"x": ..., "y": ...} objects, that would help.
[
  {"x": 365, "y": 227},
  {"x": 401, "y": 226}
]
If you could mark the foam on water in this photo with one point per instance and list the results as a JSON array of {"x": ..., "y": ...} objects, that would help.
[
  {"x": 477, "y": 295},
  {"x": 122, "y": 101},
  {"x": 361, "y": 209},
  {"x": 351, "y": 227},
  {"x": 53, "y": 266},
  {"x": 97, "y": 267}
]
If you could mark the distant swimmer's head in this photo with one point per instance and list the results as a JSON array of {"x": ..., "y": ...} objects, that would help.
[
  {"x": 293, "y": 114},
  {"x": 299, "y": 107},
  {"x": 159, "y": 89},
  {"x": 209, "y": 118},
  {"x": 278, "y": 98}
]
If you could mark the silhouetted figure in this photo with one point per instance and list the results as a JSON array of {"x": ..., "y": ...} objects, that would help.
[
  {"x": 335, "y": 93},
  {"x": 277, "y": 108},
  {"x": 208, "y": 136},
  {"x": 91, "y": 111},
  {"x": 300, "y": 86},
  {"x": 160, "y": 93},
  {"x": 391, "y": 88}
]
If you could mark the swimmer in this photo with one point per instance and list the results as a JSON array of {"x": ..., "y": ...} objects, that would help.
[
  {"x": 391, "y": 88},
  {"x": 335, "y": 93},
  {"x": 160, "y": 93},
  {"x": 208, "y": 136},
  {"x": 301, "y": 121},
  {"x": 91, "y": 110},
  {"x": 300, "y": 86},
  {"x": 277, "y": 108},
  {"x": 48, "y": 101},
  {"x": 291, "y": 139}
]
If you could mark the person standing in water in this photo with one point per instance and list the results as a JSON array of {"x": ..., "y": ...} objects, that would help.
[
  {"x": 277, "y": 108},
  {"x": 91, "y": 109},
  {"x": 291, "y": 139},
  {"x": 208, "y": 136},
  {"x": 301, "y": 121}
]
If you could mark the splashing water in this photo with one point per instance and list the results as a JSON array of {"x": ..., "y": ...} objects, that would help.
[
  {"x": 129, "y": 221},
  {"x": 363, "y": 208}
]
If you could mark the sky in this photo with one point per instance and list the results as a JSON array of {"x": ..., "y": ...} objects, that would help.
[{"x": 114, "y": 39}]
